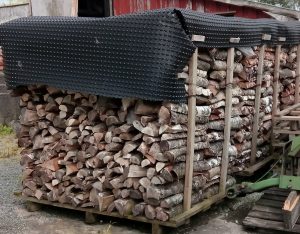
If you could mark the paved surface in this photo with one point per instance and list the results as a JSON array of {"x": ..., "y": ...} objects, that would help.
[{"x": 15, "y": 219}]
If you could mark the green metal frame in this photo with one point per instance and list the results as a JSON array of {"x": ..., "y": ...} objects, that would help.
[
  {"x": 282, "y": 181},
  {"x": 289, "y": 182},
  {"x": 257, "y": 186},
  {"x": 295, "y": 147}
]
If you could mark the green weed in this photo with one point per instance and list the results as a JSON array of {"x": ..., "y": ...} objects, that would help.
[{"x": 5, "y": 130}]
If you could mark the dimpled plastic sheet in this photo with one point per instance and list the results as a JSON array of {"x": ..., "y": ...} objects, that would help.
[
  {"x": 135, "y": 55},
  {"x": 127, "y": 56},
  {"x": 219, "y": 29}
]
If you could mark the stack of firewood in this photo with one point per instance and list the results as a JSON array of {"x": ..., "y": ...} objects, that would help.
[
  {"x": 128, "y": 155},
  {"x": 265, "y": 115},
  {"x": 287, "y": 76},
  {"x": 125, "y": 155}
]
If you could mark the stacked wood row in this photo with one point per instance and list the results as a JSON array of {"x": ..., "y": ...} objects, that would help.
[
  {"x": 118, "y": 155},
  {"x": 243, "y": 96},
  {"x": 128, "y": 155},
  {"x": 287, "y": 76},
  {"x": 266, "y": 104}
]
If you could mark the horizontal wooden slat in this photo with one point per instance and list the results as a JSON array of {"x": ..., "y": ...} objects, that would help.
[
  {"x": 287, "y": 110},
  {"x": 288, "y": 118},
  {"x": 250, "y": 170},
  {"x": 284, "y": 131}
]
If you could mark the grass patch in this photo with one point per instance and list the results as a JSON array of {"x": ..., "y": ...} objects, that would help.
[{"x": 5, "y": 130}]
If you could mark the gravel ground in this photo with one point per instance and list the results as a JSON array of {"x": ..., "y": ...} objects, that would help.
[
  {"x": 225, "y": 218},
  {"x": 10, "y": 171}
]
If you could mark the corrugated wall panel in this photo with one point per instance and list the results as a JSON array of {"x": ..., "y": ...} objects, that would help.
[{"x": 130, "y": 6}]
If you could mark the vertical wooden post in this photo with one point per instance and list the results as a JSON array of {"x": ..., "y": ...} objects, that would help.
[
  {"x": 297, "y": 82},
  {"x": 191, "y": 132},
  {"x": 227, "y": 128},
  {"x": 74, "y": 8},
  {"x": 275, "y": 87},
  {"x": 30, "y": 7},
  {"x": 276, "y": 80},
  {"x": 257, "y": 103}
]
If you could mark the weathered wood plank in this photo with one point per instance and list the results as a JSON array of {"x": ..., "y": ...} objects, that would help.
[
  {"x": 227, "y": 128},
  {"x": 187, "y": 202},
  {"x": 257, "y": 104}
]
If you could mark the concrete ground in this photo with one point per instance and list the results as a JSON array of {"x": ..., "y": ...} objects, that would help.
[{"x": 224, "y": 218}]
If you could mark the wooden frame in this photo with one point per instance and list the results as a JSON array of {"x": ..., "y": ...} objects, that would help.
[
  {"x": 74, "y": 8},
  {"x": 297, "y": 82},
  {"x": 291, "y": 114},
  {"x": 190, "y": 210},
  {"x": 227, "y": 128},
  {"x": 33, "y": 204},
  {"x": 187, "y": 201},
  {"x": 257, "y": 103}
]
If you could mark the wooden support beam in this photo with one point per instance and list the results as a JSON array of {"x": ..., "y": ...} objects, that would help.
[
  {"x": 297, "y": 82},
  {"x": 90, "y": 218},
  {"x": 187, "y": 202},
  {"x": 32, "y": 206},
  {"x": 295, "y": 112},
  {"x": 257, "y": 103},
  {"x": 74, "y": 8},
  {"x": 287, "y": 110},
  {"x": 276, "y": 80},
  {"x": 286, "y": 131},
  {"x": 275, "y": 88},
  {"x": 228, "y": 107},
  {"x": 252, "y": 169},
  {"x": 156, "y": 228},
  {"x": 295, "y": 125},
  {"x": 287, "y": 118}
]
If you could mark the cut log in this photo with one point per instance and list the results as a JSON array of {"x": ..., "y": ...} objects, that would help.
[
  {"x": 139, "y": 209},
  {"x": 136, "y": 171},
  {"x": 104, "y": 200},
  {"x": 150, "y": 212},
  {"x": 124, "y": 206}
]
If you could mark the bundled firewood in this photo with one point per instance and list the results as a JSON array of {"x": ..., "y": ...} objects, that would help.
[
  {"x": 128, "y": 155},
  {"x": 287, "y": 76},
  {"x": 88, "y": 151}
]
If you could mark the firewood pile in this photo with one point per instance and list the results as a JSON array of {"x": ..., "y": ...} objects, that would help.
[
  {"x": 287, "y": 76},
  {"x": 128, "y": 155}
]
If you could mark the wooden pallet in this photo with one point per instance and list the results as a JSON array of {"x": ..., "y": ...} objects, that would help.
[
  {"x": 34, "y": 204},
  {"x": 249, "y": 171},
  {"x": 267, "y": 212}
]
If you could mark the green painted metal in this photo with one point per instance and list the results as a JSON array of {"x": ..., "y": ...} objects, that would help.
[
  {"x": 281, "y": 181},
  {"x": 295, "y": 147},
  {"x": 289, "y": 182},
  {"x": 257, "y": 186}
]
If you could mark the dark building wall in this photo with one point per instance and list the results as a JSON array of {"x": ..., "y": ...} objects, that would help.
[{"x": 210, "y": 6}]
